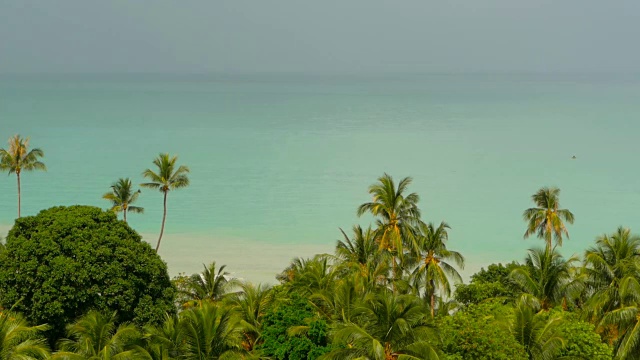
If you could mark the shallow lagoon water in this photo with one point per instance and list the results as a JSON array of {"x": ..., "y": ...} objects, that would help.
[{"x": 280, "y": 162}]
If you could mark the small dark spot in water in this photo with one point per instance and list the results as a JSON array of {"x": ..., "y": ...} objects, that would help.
[{"x": 573, "y": 157}]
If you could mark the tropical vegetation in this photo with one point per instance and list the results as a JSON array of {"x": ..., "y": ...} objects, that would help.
[{"x": 77, "y": 283}]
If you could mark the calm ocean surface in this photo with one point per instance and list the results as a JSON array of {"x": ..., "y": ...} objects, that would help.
[{"x": 280, "y": 162}]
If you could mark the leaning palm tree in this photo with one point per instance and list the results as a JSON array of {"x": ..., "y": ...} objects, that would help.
[
  {"x": 122, "y": 196},
  {"x": 17, "y": 158},
  {"x": 433, "y": 260},
  {"x": 547, "y": 219},
  {"x": 167, "y": 178},
  {"x": 20, "y": 341},
  {"x": 388, "y": 326},
  {"x": 95, "y": 336},
  {"x": 397, "y": 214}
]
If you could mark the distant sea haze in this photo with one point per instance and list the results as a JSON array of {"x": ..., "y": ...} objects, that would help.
[{"x": 281, "y": 162}]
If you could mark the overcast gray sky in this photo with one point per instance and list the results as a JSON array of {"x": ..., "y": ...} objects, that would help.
[{"x": 321, "y": 36}]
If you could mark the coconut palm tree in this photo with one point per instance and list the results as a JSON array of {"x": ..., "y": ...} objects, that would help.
[
  {"x": 536, "y": 331},
  {"x": 547, "y": 219},
  {"x": 95, "y": 336},
  {"x": 17, "y": 158},
  {"x": 167, "y": 178},
  {"x": 626, "y": 321},
  {"x": 211, "y": 285},
  {"x": 252, "y": 303},
  {"x": 612, "y": 269},
  {"x": 433, "y": 261},
  {"x": 397, "y": 214},
  {"x": 388, "y": 326},
  {"x": 211, "y": 331},
  {"x": 19, "y": 340},
  {"x": 122, "y": 196},
  {"x": 166, "y": 341},
  {"x": 361, "y": 255},
  {"x": 547, "y": 276}
]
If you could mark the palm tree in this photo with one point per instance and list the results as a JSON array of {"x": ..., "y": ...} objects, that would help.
[
  {"x": 433, "y": 262},
  {"x": 17, "y": 159},
  {"x": 626, "y": 321},
  {"x": 546, "y": 220},
  {"x": 211, "y": 285},
  {"x": 536, "y": 331},
  {"x": 546, "y": 276},
  {"x": 361, "y": 255},
  {"x": 386, "y": 327},
  {"x": 165, "y": 341},
  {"x": 95, "y": 336},
  {"x": 612, "y": 268},
  {"x": 252, "y": 304},
  {"x": 122, "y": 196},
  {"x": 211, "y": 331},
  {"x": 20, "y": 341},
  {"x": 397, "y": 214},
  {"x": 167, "y": 178}
]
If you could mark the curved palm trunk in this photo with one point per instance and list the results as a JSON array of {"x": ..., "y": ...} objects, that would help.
[
  {"x": 164, "y": 216},
  {"x": 18, "y": 176}
]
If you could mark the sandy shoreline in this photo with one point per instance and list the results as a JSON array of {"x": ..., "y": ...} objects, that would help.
[{"x": 246, "y": 259}]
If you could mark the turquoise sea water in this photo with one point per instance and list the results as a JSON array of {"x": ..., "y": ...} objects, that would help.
[{"x": 279, "y": 162}]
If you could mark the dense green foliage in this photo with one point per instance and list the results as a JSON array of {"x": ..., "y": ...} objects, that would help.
[
  {"x": 280, "y": 338},
  {"x": 480, "y": 332},
  {"x": 66, "y": 261}
]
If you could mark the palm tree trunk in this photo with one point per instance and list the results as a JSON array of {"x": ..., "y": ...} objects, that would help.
[
  {"x": 125, "y": 214},
  {"x": 164, "y": 216},
  {"x": 433, "y": 298},
  {"x": 18, "y": 176}
]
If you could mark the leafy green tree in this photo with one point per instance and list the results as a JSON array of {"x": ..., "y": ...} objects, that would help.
[
  {"x": 581, "y": 339},
  {"x": 17, "y": 158},
  {"x": 433, "y": 259},
  {"x": 96, "y": 336},
  {"x": 388, "y": 326},
  {"x": 282, "y": 344},
  {"x": 211, "y": 331},
  {"x": 479, "y": 332},
  {"x": 547, "y": 276},
  {"x": 397, "y": 215},
  {"x": 166, "y": 178},
  {"x": 20, "y": 341},
  {"x": 66, "y": 261},
  {"x": 492, "y": 283},
  {"x": 210, "y": 285},
  {"x": 547, "y": 219},
  {"x": 122, "y": 196}
]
